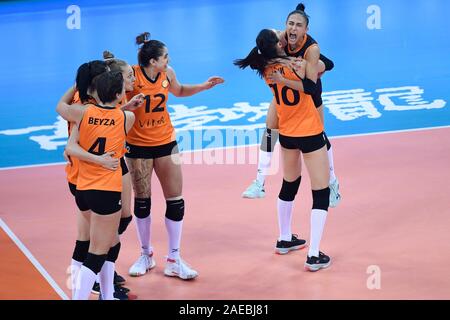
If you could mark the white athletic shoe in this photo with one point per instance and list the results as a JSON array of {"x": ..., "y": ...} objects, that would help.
[
  {"x": 179, "y": 268},
  {"x": 335, "y": 196},
  {"x": 142, "y": 265},
  {"x": 255, "y": 190}
]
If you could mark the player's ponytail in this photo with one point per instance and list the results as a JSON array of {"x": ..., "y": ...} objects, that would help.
[
  {"x": 149, "y": 49},
  {"x": 113, "y": 63},
  {"x": 85, "y": 76},
  {"x": 254, "y": 60},
  {"x": 107, "y": 55},
  {"x": 143, "y": 38},
  {"x": 260, "y": 56},
  {"x": 83, "y": 81}
]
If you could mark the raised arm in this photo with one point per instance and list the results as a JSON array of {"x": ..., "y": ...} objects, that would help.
[
  {"x": 186, "y": 90},
  {"x": 312, "y": 56},
  {"x": 71, "y": 113},
  {"x": 134, "y": 103}
]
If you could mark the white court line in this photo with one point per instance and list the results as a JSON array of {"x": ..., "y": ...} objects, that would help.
[
  {"x": 251, "y": 145},
  {"x": 33, "y": 260}
]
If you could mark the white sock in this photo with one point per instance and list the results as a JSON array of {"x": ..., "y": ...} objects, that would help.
[
  {"x": 318, "y": 218},
  {"x": 284, "y": 219},
  {"x": 174, "y": 229},
  {"x": 106, "y": 276},
  {"x": 330, "y": 160},
  {"x": 264, "y": 159},
  {"x": 84, "y": 282},
  {"x": 74, "y": 269},
  {"x": 143, "y": 228}
]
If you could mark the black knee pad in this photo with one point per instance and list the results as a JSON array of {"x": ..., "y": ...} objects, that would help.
[
  {"x": 327, "y": 141},
  {"x": 321, "y": 199},
  {"x": 289, "y": 189},
  {"x": 81, "y": 250},
  {"x": 175, "y": 209},
  {"x": 269, "y": 138},
  {"x": 95, "y": 262},
  {"x": 113, "y": 253},
  {"x": 124, "y": 222},
  {"x": 142, "y": 207}
]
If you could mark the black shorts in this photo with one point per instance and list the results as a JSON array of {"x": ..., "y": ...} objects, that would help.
[
  {"x": 73, "y": 188},
  {"x": 317, "y": 96},
  {"x": 139, "y": 152},
  {"x": 124, "y": 166},
  {"x": 98, "y": 201},
  {"x": 304, "y": 144}
]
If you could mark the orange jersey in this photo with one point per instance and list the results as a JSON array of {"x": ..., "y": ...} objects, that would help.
[
  {"x": 297, "y": 115},
  {"x": 152, "y": 126},
  {"x": 302, "y": 49},
  {"x": 102, "y": 130},
  {"x": 72, "y": 168}
]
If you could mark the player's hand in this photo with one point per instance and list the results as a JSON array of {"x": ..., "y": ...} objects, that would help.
[
  {"x": 212, "y": 81},
  {"x": 275, "y": 76},
  {"x": 107, "y": 161},
  {"x": 66, "y": 157},
  {"x": 135, "y": 102}
]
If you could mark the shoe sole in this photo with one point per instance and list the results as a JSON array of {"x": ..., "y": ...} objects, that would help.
[
  {"x": 286, "y": 251},
  {"x": 171, "y": 274},
  {"x": 317, "y": 267},
  {"x": 141, "y": 274},
  {"x": 250, "y": 197}
]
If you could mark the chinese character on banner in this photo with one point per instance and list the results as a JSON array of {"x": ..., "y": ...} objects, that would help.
[
  {"x": 349, "y": 105},
  {"x": 406, "y": 98}
]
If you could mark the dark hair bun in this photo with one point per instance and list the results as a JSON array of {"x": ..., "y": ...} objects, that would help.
[
  {"x": 143, "y": 38},
  {"x": 107, "y": 55},
  {"x": 300, "y": 7}
]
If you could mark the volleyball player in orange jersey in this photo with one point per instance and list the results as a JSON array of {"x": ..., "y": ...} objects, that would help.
[
  {"x": 297, "y": 43},
  {"x": 152, "y": 146},
  {"x": 85, "y": 89},
  {"x": 81, "y": 94},
  {"x": 102, "y": 129},
  {"x": 122, "y": 66},
  {"x": 301, "y": 134}
]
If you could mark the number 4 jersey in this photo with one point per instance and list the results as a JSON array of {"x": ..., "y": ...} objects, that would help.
[
  {"x": 297, "y": 115},
  {"x": 101, "y": 130},
  {"x": 152, "y": 126}
]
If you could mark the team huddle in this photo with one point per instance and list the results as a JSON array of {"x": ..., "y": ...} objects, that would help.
[{"x": 116, "y": 111}]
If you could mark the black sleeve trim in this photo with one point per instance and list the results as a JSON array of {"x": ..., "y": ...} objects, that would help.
[
  {"x": 297, "y": 75},
  {"x": 124, "y": 122}
]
